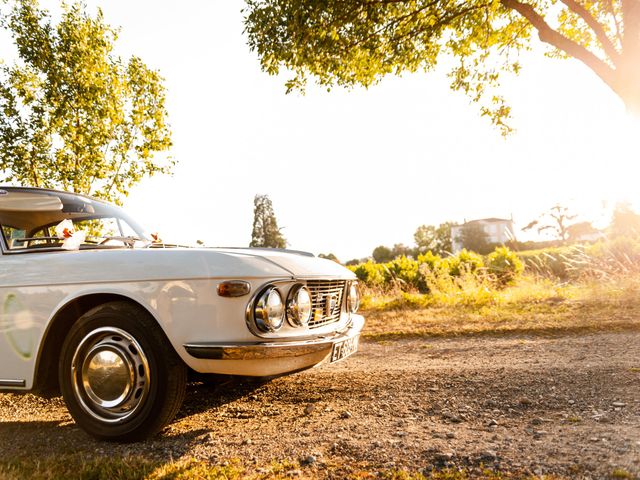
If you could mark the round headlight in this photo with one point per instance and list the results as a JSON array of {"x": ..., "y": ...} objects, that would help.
[
  {"x": 299, "y": 306},
  {"x": 269, "y": 310},
  {"x": 353, "y": 298}
]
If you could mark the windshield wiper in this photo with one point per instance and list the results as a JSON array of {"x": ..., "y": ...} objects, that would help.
[
  {"x": 31, "y": 239},
  {"x": 130, "y": 241}
]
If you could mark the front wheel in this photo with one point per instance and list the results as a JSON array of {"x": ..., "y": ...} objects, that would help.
[{"x": 119, "y": 376}]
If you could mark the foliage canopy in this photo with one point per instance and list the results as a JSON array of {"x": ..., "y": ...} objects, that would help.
[
  {"x": 358, "y": 42},
  {"x": 74, "y": 115},
  {"x": 474, "y": 237},
  {"x": 435, "y": 239}
]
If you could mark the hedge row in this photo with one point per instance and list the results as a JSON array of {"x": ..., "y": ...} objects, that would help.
[{"x": 502, "y": 267}]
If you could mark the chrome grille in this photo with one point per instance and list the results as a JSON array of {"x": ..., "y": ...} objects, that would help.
[{"x": 320, "y": 290}]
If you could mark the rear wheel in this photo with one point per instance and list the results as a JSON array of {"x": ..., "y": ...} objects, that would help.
[{"x": 119, "y": 376}]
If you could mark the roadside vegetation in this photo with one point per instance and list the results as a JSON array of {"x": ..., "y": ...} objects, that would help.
[{"x": 571, "y": 288}]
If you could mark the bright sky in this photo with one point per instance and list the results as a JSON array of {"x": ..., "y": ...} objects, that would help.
[{"x": 350, "y": 170}]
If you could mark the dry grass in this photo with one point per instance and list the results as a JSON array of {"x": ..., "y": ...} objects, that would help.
[
  {"x": 531, "y": 306},
  {"x": 70, "y": 467}
]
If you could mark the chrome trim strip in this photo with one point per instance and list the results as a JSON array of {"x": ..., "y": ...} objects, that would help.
[
  {"x": 12, "y": 383},
  {"x": 279, "y": 349}
]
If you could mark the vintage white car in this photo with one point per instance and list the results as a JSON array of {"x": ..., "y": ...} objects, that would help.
[{"x": 92, "y": 305}]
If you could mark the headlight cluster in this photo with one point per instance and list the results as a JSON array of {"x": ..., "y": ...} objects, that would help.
[
  {"x": 353, "y": 298},
  {"x": 299, "y": 306},
  {"x": 270, "y": 309}
]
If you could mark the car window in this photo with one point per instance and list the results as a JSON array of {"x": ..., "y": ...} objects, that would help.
[
  {"x": 11, "y": 234},
  {"x": 29, "y": 219},
  {"x": 98, "y": 229}
]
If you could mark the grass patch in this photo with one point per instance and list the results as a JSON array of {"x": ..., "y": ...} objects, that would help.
[
  {"x": 72, "y": 467},
  {"x": 621, "y": 474},
  {"x": 532, "y": 305},
  {"x": 77, "y": 467}
]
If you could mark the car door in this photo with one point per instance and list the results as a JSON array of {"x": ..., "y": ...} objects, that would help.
[{"x": 22, "y": 318}]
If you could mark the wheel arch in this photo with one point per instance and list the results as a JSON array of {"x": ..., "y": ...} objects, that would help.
[{"x": 46, "y": 370}]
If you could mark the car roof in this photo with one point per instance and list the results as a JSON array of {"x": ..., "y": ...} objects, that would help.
[
  {"x": 28, "y": 208},
  {"x": 51, "y": 190}
]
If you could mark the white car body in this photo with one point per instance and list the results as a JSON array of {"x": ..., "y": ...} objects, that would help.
[{"x": 42, "y": 293}]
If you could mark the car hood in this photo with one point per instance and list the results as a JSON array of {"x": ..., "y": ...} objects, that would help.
[
  {"x": 146, "y": 264},
  {"x": 298, "y": 264}
]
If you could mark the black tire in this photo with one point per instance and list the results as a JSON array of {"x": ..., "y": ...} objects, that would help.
[{"x": 120, "y": 377}]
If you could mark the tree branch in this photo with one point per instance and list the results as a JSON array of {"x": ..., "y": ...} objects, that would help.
[
  {"x": 598, "y": 29},
  {"x": 616, "y": 20},
  {"x": 556, "y": 39}
]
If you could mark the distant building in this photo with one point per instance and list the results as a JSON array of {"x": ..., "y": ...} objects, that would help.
[{"x": 498, "y": 230}]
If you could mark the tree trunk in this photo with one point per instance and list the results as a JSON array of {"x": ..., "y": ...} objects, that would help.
[
  {"x": 627, "y": 82},
  {"x": 622, "y": 72},
  {"x": 627, "y": 86}
]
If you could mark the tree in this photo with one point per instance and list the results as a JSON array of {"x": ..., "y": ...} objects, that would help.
[
  {"x": 382, "y": 254},
  {"x": 436, "y": 239},
  {"x": 401, "y": 250},
  {"x": 474, "y": 238},
  {"x": 355, "y": 261},
  {"x": 329, "y": 256},
  {"x": 74, "y": 115},
  {"x": 558, "y": 219},
  {"x": 359, "y": 42},
  {"x": 625, "y": 222},
  {"x": 265, "y": 226},
  {"x": 577, "y": 231}
]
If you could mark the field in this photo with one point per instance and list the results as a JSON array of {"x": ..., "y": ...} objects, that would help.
[{"x": 533, "y": 306}]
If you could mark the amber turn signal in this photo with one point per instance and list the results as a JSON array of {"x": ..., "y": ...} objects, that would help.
[{"x": 233, "y": 288}]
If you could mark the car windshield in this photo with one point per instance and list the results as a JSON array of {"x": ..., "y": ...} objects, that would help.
[{"x": 35, "y": 219}]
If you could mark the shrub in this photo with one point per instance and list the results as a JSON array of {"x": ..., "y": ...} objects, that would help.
[
  {"x": 433, "y": 262},
  {"x": 405, "y": 271},
  {"x": 504, "y": 265},
  {"x": 372, "y": 274},
  {"x": 464, "y": 262}
]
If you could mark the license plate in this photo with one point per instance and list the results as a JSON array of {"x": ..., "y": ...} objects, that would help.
[{"x": 344, "y": 348}]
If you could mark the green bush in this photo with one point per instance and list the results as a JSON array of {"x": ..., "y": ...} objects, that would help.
[
  {"x": 429, "y": 265},
  {"x": 373, "y": 275},
  {"x": 433, "y": 262},
  {"x": 464, "y": 262},
  {"x": 405, "y": 271},
  {"x": 504, "y": 265}
]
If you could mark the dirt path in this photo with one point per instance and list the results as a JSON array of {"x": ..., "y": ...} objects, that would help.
[{"x": 567, "y": 405}]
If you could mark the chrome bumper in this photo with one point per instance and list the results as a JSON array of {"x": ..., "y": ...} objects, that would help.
[{"x": 273, "y": 350}]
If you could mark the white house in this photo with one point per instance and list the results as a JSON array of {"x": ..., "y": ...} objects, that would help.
[{"x": 498, "y": 230}]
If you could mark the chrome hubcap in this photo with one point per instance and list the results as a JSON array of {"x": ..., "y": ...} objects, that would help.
[{"x": 110, "y": 374}]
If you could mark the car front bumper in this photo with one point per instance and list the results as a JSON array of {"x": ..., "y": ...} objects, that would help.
[{"x": 273, "y": 357}]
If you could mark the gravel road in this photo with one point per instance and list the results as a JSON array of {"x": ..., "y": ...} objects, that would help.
[{"x": 565, "y": 405}]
